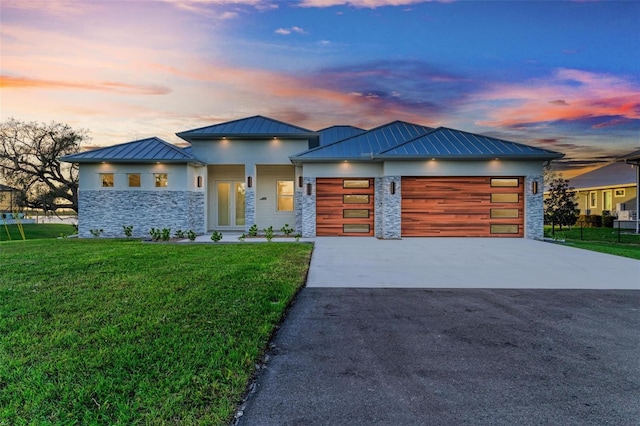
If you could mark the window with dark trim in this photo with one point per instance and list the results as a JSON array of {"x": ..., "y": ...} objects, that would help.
[
  {"x": 356, "y": 228},
  {"x": 133, "y": 179},
  {"x": 355, "y": 199},
  {"x": 355, "y": 183},
  {"x": 505, "y": 182},
  {"x": 285, "y": 195},
  {"x": 161, "y": 180},
  {"x": 355, "y": 213}
]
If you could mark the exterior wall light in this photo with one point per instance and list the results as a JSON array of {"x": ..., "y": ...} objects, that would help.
[
  {"x": 199, "y": 181},
  {"x": 300, "y": 181},
  {"x": 249, "y": 181},
  {"x": 392, "y": 187},
  {"x": 308, "y": 189},
  {"x": 534, "y": 187}
]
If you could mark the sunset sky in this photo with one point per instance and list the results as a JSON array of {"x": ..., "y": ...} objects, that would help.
[{"x": 558, "y": 75}]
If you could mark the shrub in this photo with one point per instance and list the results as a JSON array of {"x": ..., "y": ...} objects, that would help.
[
  {"x": 216, "y": 236},
  {"x": 179, "y": 233},
  {"x": 191, "y": 235},
  {"x": 128, "y": 230},
  {"x": 166, "y": 234},
  {"x": 156, "y": 234},
  {"x": 253, "y": 231},
  {"x": 96, "y": 232},
  {"x": 268, "y": 233},
  {"x": 287, "y": 230},
  {"x": 607, "y": 219},
  {"x": 589, "y": 221}
]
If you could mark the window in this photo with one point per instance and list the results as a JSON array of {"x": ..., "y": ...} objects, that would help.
[
  {"x": 505, "y": 182},
  {"x": 355, "y": 199},
  {"x": 593, "y": 200},
  {"x": 356, "y": 228},
  {"x": 504, "y": 213},
  {"x": 619, "y": 193},
  {"x": 504, "y": 229},
  {"x": 359, "y": 213},
  {"x": 504, "y": 198},
  {"x": 106, "y": 180},
  {"x": 285, "y": 195},
  {"x": 134, "y": 180},
  {"x": 161, "y": 179},
  {"x": 355, "y": 183},
  {"x": 607, "y": 203}
]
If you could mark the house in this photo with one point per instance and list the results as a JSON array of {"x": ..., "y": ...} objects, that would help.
[
  {"x": 609, "y": 188},
  {"x": 396, "y": 180},
  {"x": 634, "y": 159},
  {"x": 8, "y": 199}
]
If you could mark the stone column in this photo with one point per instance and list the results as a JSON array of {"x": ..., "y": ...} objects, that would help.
[
  {"x": 308, "y": 208},
  {"x": 391, "y": 207},
  {"x": 533, "y": 208},
  {"x": 250, "y": 196}
]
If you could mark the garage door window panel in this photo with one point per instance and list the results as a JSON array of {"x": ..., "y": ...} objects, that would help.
[
  {"x": 505, "y": 182},
  {"x": 355, "y": 213},
  {"x": 504, "y": 229},
  {"x": 355, "y": 199},
  {"x": 505, "y": 198},
  {"x": 504, "y": 213},
  {"x": 356, "y": 228},
  {"x": 356, "y": 183}
]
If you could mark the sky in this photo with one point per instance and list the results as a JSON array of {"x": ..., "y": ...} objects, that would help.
[{"x": 558, "y": 75}]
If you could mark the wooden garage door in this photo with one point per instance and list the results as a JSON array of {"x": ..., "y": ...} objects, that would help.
[
  {"x": 462, "y": 207},
  {"x": 344, "y": 206}
]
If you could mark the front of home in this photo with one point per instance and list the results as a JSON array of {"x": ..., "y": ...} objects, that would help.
[{"x": 397, "y": 180}]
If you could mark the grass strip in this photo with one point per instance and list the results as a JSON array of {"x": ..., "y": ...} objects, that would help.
[{"x": 125, "y": 332}]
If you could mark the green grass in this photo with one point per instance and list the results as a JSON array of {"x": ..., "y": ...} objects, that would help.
[
  {"x": 126, "y": 332},
  {"x": 35, "y": 231},
  {"x": 603, "y": 240}
]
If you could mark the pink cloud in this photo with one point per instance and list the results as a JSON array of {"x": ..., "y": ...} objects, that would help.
[
  {"x": 8, "y": 82},
  {"x": 566, "y": 95}
]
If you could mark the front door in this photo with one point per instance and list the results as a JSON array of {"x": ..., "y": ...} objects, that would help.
[{"x": 230, "y": 204}]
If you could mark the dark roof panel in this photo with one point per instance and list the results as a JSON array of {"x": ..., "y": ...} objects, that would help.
[
  {"x": 338, "y": 133},
  {"x": 141, "y": 151},
  {"x": 618, "y": 173},
  {"x": 367, "y": 144},
  {"x": 456, "y": 144},
  {"x": 254, "y": 127}
]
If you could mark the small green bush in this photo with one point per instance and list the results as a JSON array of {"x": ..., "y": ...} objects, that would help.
[
  {"x": 128, "y": 230},
  {"x": 216, "y": 236},
  {"x": 589, "y": 221},
  {"x": 96, "y": 232},
  {"x": 191, "y": 235},
  {"x": 287, "y": 230},
  {"x": 253, "y": 231},
  {"x": 268, "y": 233},
  {"x": 179, "y": 233}
]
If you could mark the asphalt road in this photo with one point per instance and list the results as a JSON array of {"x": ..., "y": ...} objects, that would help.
[{"x": 453, "y": 357}]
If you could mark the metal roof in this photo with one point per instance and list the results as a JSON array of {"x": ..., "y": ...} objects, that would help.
[
  {"x": 256, "y": 127},
  {"x": 140, "y": 151},
  {"x": 338, "y": 133},
  {"x": 633, "y": 157},
  {"x": 445, "y": 143},
  {"x": 613, "y": 174},
  {"x": 365, "y": 145}
]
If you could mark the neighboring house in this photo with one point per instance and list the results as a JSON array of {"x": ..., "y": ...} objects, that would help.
[
  {"x": 634, "y": 159},
  {"x": 8, "y": 198},
  {"x": 396, "y": 180},
  {"x": 609, "y": 188}
]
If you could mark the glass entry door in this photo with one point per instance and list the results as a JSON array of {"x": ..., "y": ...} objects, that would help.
[{"x": 230, "y": 197}]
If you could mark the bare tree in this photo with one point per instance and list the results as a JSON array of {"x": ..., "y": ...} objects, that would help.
[{"x": 29, "y": 162}]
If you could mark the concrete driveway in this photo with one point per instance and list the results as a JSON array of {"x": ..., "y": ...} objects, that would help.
[
  {"x": 466, "y": 263},
  {"x": 504, "y": 343}
]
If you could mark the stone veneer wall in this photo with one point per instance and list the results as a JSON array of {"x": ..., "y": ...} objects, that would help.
[
  {"x": 534, "y": 208},
  {"x": 308, "y": 208},
  {"x": 111, "y": 210},
  {"x": 297, "y": 206},
  {"x": 391, "y": 212},
  {"x": 249, "y": 208}
]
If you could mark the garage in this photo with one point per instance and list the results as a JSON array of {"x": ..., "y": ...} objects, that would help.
[
  {"x": 344, "y": 206},
  {"x": 462, "y": 207}
]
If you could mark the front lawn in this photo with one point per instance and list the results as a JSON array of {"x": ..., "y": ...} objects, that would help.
[
  {"x": 604, "y": 240},
  {"x": 33, "y": 231},
  {"x": 126, "y": 332}
]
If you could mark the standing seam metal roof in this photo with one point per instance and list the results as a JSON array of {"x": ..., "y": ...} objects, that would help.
[
  {"x": 450, "y": 143},
  {"x": 141, "y": 151},
  {"x": 256, "y": 126},
  {"x": 368, "y": 143},
  {"x": 338, "y": 133}
]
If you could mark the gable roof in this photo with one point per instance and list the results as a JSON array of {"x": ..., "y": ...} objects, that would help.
[
  {"x": 365, "y": 145},
  {"x": 613, "y": 174},
  {"x": 256, "y": 127},
  {"x": 338, "y": 133},
  {"x": 148, "y": 150},
  {"x": 446, "y": 143}
]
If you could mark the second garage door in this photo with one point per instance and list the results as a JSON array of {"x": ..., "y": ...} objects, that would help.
[
  {"x": 344, "y": 206},
  {"x": 462, "y": 207}
]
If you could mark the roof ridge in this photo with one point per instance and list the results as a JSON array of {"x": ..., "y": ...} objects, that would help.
[{"x": 245, "y": 119}]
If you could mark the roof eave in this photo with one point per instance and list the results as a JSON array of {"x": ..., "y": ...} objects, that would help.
[
  {"x": 244, "y": 136},
  {"x": 536, "y": 157},
  {"x": 132, "y": 161}
]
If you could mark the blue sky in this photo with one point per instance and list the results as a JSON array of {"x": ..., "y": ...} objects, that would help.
[{"x": 560, "y": 75}]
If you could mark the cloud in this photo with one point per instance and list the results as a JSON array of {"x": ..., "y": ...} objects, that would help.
[
  {"x": 371, "y": 4},
  {"x": 287, "y": 31},
  {"x": 565, "y": 96},
  {"x": 8, "y": 82}
]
